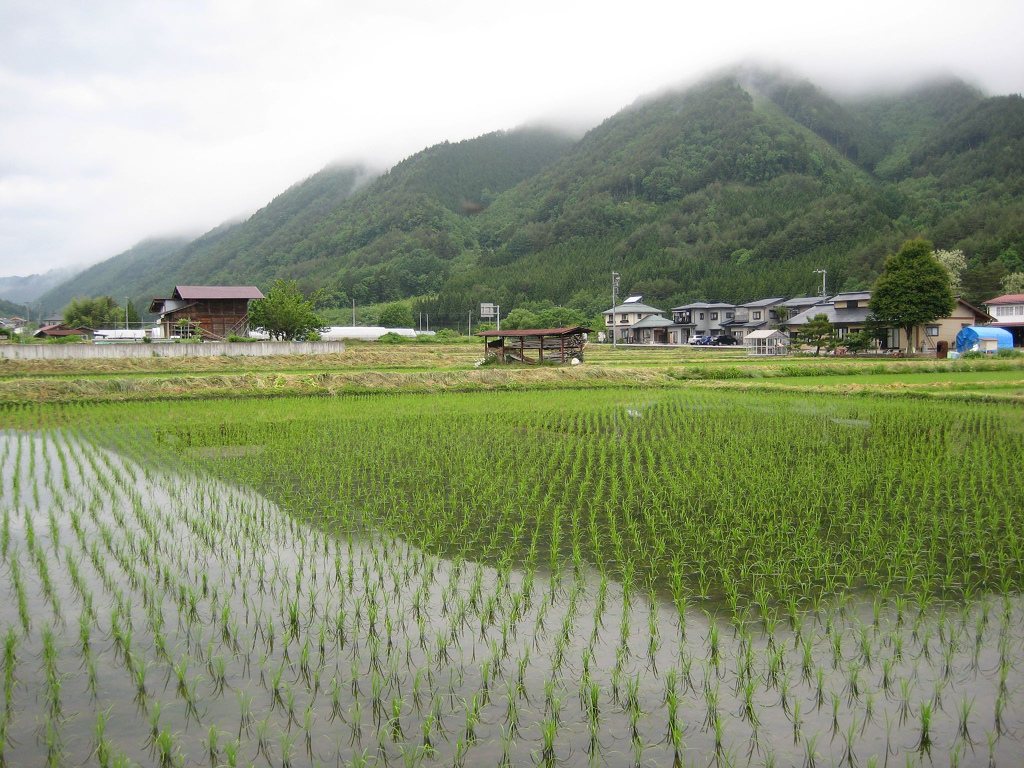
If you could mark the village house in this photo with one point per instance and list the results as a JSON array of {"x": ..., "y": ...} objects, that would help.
[
  {"x": 1007, "y": 312},
  {"x": 59, "y": 330},
  {"x": 701, "y": 319},
  {"x": 212, "y": 312},
  {"x": 753, "y": 316},
  {"x": 619, "y": 320},
  {"x": 848, "y": 312}
]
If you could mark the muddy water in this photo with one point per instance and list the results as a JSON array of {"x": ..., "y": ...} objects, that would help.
[{"x": 220, "y": 631}]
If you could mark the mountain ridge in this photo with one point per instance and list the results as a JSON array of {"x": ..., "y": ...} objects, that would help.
[{"x": 735, "y": 187}]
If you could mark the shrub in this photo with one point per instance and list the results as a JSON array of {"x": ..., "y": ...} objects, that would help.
[{"x": 393, "y": 338}]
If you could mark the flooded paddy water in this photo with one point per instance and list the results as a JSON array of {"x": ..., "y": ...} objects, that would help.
[{"x": 168, "y": 607}]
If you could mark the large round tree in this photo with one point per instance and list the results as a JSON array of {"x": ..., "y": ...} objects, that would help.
[{"x": 912, "y": 290}]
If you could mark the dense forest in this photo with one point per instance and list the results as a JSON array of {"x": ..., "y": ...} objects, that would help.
[{"x": 734, "y": 189}]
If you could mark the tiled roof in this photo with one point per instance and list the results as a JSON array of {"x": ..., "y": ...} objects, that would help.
[
  {"x": 1009, "y": 298},
  {"x": 199, "y": 292}
]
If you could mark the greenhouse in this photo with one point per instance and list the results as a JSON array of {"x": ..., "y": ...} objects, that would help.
[{"x": 766, "y": 342}]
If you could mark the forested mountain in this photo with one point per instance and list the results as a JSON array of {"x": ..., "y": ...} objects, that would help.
[
  {"x": 395, "y": 238},
  {"x": 126, "y": 269},
  {"x": 736, "y": 188},
  {"x": 10, "y": 309}
]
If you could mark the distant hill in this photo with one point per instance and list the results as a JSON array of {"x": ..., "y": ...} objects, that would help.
[
  {"x": 30, "y": 287},
  {"x": 733, "y": 189},
  {"x": 10, "y": 309}
]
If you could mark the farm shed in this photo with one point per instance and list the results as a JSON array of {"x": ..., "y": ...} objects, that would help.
[
  {"x": 766, "y": 342},
  {"x": 555, "y": 345},
  {"x": 213, "y": 311},
  {"x": 983, "y": 339}
]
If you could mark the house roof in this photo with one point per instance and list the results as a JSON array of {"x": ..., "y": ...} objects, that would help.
[
  {"x": 537, "y": 332},
  {"x": 764, "y": 303},
  {"x": 841, "y": 316},
  {"x": 803, "y": 301},
  {"x": 652, "y": 321},
  {"x": 633, "y": 306},
  {"x": 852, "y": 296},
  {"x": 1009, "y": 298},
  {"x": 704, "y": 305},
  {"x": 58, "y": 329},
  {"x": 198, "y": 292},
  {"x": 985, "y": 316}
]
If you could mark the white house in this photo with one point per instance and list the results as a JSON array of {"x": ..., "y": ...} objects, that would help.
[{"x": 1008, "y": 312}]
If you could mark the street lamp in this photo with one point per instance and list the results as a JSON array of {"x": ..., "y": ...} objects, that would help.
[
  {"x": 824, "y": 274},
  {"x": 615, "y": 300}
]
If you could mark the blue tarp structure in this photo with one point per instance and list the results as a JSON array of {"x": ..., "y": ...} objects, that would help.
[{"x": 970, "y": 338}]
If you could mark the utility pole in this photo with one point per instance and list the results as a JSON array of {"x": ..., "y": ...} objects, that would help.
[
  {"x": 126, "y": 313},
  {"x": 498, "y": 307},
  {"x": 470, "y": 333},
  {"x": 824, "y": 275},
  {"x": 615, "y": 300}
]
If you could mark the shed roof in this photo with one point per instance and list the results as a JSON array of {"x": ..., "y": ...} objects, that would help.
[
  {"x": 198, "y": 292},
  {"x": 569, "y": 329}
]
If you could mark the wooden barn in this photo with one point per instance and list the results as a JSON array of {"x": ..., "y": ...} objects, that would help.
[
  {"x": 536, "y": 345},
  {"x": 212, "y": 311}
]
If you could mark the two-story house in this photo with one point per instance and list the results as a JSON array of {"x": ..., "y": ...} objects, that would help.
[
  {"x": 619, "y": 320},
  {"x": 703, "y": 319},
  {"x": 1007, "y": 312},
  {"x": 848, "y": 312},
  {"x": 754, "y": 316}
]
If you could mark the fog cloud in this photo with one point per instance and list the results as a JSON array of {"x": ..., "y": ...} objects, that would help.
[{"x": 124, "y": 120}]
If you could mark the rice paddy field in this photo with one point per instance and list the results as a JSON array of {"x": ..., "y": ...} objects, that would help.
[{"x": 621, "y": 577}]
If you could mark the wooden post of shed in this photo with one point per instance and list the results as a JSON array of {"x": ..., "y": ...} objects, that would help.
[
  {"x": 561, "y": 346},
  {"x": 540, "y": 349}
]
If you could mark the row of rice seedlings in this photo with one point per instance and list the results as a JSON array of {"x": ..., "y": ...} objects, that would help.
[{"x": 475, "y": 611}]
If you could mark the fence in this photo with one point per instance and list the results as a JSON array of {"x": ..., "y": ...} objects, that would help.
[{"x": 206, "y": 349}]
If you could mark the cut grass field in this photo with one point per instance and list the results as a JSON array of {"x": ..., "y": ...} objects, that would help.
[{"x": 437, "y": 367}]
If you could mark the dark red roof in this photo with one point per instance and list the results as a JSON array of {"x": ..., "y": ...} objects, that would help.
[
  {"x": 1009, "y": 298},
  {"x": 61, "y": 330},
  {"x": 198, "y": 292},
  {"x": 538, "y": 332}
]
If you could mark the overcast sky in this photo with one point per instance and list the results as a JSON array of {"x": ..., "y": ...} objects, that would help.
[{"x": 122, "y": 120}]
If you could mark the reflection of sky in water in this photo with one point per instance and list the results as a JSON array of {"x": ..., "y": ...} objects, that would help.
[{"x": 301, "y": 646}]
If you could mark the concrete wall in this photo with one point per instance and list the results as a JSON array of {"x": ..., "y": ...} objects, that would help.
[{"x": 206, "y": 349}]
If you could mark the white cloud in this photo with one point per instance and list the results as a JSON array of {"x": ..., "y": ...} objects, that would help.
[{"x": 119, "y": 121}]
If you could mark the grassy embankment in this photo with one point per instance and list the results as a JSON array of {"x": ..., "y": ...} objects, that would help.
[{"x": 450, "y": 367}]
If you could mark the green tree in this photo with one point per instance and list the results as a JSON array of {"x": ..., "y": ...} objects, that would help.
[
  {"x": 816, "y": 332},
  {"x": 395, "y": 316},
  {"x": 912, "y": 290},
  {"x": 520, "y": 319},
  {"x": 956, "y": 264},
  {"x": 99, "y": 312},
  {"x": 285, "y": 313},
  {"x": 1013, "y": 283}
]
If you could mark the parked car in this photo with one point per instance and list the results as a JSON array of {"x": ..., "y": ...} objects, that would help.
[
  {"x": 725, "y": 340},
  {"x": 695, "y": 339},
  {"x": 705, "y": 341}
]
